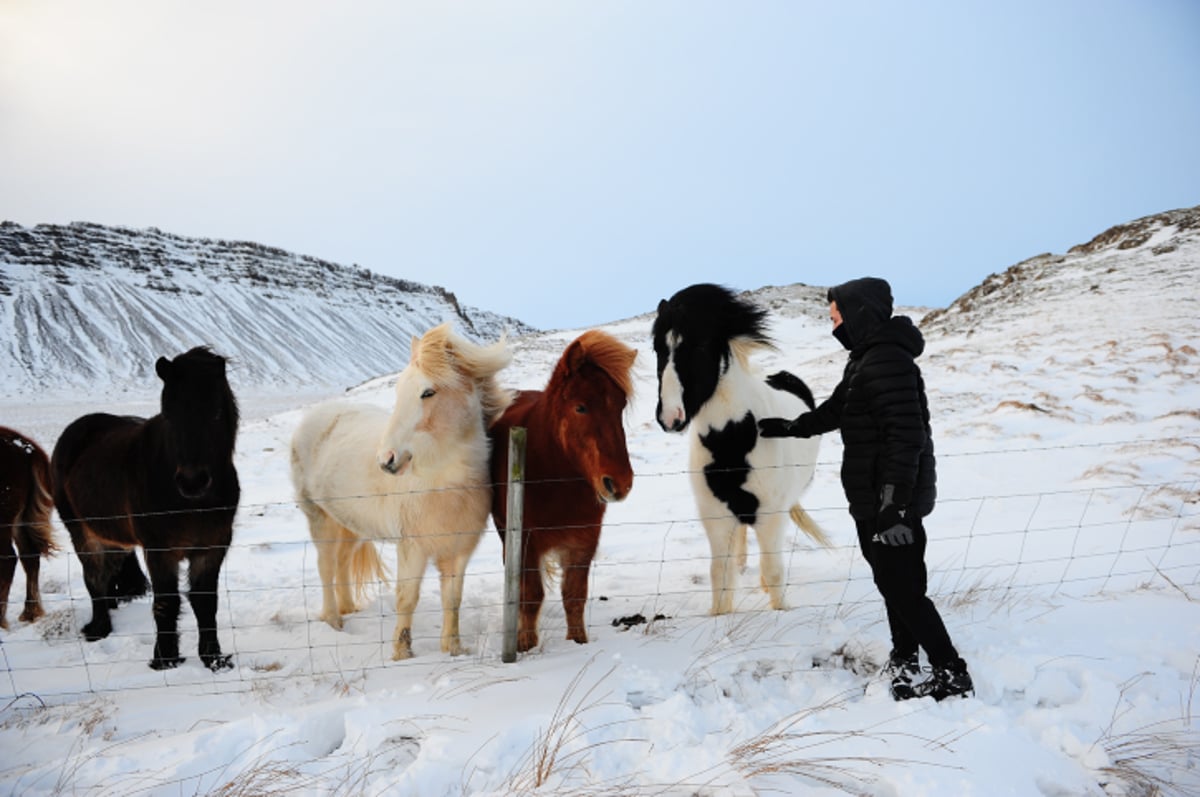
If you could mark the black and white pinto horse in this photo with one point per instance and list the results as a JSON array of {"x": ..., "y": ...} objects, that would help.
[{"x": 704, "y": 336}]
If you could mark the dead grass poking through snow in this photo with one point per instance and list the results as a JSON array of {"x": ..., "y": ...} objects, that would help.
[
  {"x": 787, "y": 748},
  {"x": 1154, "y": 760},
  {"x": 555, "y": 752}
]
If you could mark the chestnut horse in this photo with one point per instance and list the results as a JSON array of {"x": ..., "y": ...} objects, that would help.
[
  {"x": 576, "y": 463},
  {"x": 417, "y": 477},
  {"x": 25, "y": 506},
  {"x": 167, "y": 484}
]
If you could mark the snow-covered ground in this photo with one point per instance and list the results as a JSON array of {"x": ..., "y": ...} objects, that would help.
[{"x": 1064, "y": 556}]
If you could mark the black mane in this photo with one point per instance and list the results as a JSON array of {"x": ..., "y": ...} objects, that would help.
[{"x": 712, "y": 312}]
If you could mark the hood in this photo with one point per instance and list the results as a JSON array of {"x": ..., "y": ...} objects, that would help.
[
  {"x": 899, "y": 330},
  {"x": 865, "y": 304}
]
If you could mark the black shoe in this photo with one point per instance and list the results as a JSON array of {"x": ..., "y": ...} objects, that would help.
[
  {"x": 951, "y": 680},
  {"x": 901, "y": 669}
]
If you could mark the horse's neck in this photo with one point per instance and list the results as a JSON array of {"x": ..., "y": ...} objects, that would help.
[{"x": 739, "y": 390}]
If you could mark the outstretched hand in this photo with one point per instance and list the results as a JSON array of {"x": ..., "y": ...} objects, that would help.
[{"x": 779, "y": 427}]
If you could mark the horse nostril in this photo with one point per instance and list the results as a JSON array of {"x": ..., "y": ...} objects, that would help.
[
  {"x": 610, "y": 487},
  {"x": 193, "y": 483}
]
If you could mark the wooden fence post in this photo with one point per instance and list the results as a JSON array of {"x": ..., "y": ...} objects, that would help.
[{"x": 512, "y": 540}]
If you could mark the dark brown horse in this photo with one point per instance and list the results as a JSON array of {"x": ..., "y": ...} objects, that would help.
[
  {"x": 576, "y": 463},
  {"x": 167, "y": 484},
  {"x": 25, "y": 506}
]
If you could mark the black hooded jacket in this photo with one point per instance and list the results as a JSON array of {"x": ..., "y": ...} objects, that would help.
[{"x": 880, "y": 405}]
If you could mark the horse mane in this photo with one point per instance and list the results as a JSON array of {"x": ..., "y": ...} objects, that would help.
[
  {"x": 203, "y": 357},
  {"x": 450, "y": 359},
  {"x": 715, "y": 310},
  {"x": 608, "y": 354}
]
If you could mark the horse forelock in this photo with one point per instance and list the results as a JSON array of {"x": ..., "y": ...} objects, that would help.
[
  {"x": 452, "y": 361},
  {"x": 611, "y": 356},
  {"x": 713, "y": 311},
  {"x": 201, "y": 365}
]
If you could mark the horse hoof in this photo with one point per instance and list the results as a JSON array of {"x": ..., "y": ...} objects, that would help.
[
  {"x": 166, "y": 662},
  {"x": 400, "y": 654},
  {"x": 455, "y": 649},
  {"x": 31, "y": 616},
  {"x": 579, "y": 638},
  {"x": 333, "y": 619},
  {"x": 218, "y": 663},
  {"x": 94, "y": 633}
]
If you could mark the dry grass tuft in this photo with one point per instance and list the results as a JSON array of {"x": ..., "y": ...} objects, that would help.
[
  {"x": 555, "y": 753},
  {"x": 786, "y": 748},
  {"x": 1154, "y": 760}
]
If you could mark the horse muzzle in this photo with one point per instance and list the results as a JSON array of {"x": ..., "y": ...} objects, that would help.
[
  {"x": 193, "y": 482},
  {"x": 672, "y": 420},
  {"x": 394, "y": 463},
  {"x": 611, "y": 491}
]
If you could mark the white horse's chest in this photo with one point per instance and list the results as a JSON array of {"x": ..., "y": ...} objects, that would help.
[{"x": 732, "y": 468}]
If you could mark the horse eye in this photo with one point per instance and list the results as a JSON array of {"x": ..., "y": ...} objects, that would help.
[
  {"x": 429, "y": 393},
  {"x": 581, "y": 409}
]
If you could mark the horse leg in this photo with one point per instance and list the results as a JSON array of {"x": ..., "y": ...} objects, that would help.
[
  {"x": 99, "y": 565},
  {"x": 325, "y": 535},
  {"x": 452, "y": 569},
  {"x": 723, "y": 537},
  {"x": 770, "y": 545},
  {"x": 130, "y": 582},
  {"x": 8, "y": 566},
  {"x": 577, "y": 563},
  {"x": 410, "y": 567},
  {"x": 532, "y": 595},
  {"x": 31, "y": 562},
  {"x": 164, "y": 580},
  {"x": 203, "y": 572},
  {"x": 344, "y": 548}
]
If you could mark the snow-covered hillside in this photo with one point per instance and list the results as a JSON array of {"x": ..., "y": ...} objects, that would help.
[
  {"x": 86, "y": 306},
  {"x": 1064, "y": 554}
]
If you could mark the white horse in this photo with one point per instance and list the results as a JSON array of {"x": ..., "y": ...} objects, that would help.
[
  {"x": 419, "y": 478},
  {"x": 703, "y": 338}
]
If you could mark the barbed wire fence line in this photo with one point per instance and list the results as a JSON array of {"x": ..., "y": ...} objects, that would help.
[{"x": 1090, "y": 540}]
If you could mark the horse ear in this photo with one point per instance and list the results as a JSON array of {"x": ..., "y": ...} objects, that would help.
[
  {"x": 412, "y": 349},
  {"x": 162, "y": 368},
  {"x": 662, "y": 306},
  {"x": 574, "y": 356}
]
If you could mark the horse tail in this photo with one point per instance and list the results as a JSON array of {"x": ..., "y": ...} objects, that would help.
[
  {"x": 366, "y": 567},
  {"x": 805, "y": 523},
  {"x": 34, "y": 524}
]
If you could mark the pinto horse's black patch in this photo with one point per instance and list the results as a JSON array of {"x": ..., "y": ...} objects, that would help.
[{"x": 727, "y": 473}]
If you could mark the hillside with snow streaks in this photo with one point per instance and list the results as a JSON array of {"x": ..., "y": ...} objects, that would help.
[{"x": 83, "y": 305}]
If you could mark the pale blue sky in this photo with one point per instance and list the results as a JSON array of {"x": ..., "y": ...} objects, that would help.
[{"x": 572, "y": 163}]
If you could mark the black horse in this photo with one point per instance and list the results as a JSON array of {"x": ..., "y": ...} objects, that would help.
[
  {"x": 25, "y": 506},
  {"x": 167, "y": 484}
]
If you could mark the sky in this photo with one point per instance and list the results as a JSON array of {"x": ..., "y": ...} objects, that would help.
[{"x": 571, "y": 164}]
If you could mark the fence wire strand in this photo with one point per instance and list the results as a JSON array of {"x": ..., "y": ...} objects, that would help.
[{"x": 322, "y": 655}]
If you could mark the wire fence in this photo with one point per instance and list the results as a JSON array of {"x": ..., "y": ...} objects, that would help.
[{"x": 652, "y": 570}]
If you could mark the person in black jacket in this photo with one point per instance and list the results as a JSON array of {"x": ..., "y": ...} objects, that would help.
[{"x": 888, "y": 475}]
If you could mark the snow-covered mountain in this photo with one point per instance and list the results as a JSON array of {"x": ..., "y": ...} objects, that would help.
[{"x": 83, "y": 304}]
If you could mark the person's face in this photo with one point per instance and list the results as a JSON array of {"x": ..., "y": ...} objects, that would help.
[{"x": 835, "y": 315}]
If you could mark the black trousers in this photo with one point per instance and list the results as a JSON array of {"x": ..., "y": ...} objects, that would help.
[{"x": 902, "y": 579}]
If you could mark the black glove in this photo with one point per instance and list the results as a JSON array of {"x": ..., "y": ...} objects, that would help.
[
  {"x": 777, "y": 427},
  {"x": 782, "y": 427},
  {"x": 892, "y": 524}
]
